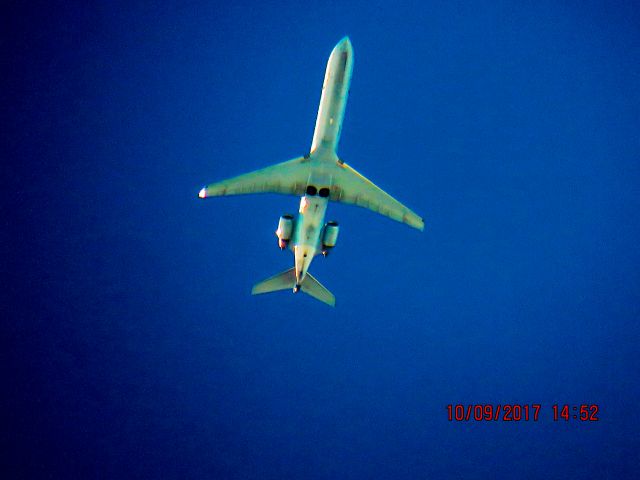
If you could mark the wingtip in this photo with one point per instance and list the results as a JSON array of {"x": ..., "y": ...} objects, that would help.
[{"x": 417, "y": 223}]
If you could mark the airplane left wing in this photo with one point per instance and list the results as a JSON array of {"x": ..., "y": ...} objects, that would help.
[
  {"x": 288, "y": 177},
  {"x": 351, "y": 187}
]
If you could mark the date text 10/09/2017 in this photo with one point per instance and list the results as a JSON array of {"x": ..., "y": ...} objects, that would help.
[{"x": 518, "y": 413}]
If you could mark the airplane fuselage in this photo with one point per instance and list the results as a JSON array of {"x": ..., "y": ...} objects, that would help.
[
  {"x": 307, "y": 238},
  {"x": 335, "y": 91}
]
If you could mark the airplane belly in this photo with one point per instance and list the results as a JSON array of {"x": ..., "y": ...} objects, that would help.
[
  {"x": 307, "y": 233},
  {"x": 310, "y": 221},
  {"x": 333, "y": 100}
]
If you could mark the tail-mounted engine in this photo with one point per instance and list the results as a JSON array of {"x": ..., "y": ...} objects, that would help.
[
  {"x": 329, "y": 237},
  {"x": 285, "y": 230}
]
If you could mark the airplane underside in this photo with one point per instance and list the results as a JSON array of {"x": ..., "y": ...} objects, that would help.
[{"x": 318, "y": 177}]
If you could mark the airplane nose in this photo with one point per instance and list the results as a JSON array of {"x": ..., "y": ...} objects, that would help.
[{"x": 345, "y": 44}]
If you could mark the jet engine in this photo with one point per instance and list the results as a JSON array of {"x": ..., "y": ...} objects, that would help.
[
  {"x": 285, "y": 230},
  {"x": 329, "y": 237}
]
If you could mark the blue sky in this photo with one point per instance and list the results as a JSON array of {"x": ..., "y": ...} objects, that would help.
[{"x": 133, "y": 346}]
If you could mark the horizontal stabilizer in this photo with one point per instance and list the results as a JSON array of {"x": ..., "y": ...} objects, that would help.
[
  {"x": 287, "y": 279},
  {"x": 313, "y": 287},
  {"x": 280, "y": 281}
]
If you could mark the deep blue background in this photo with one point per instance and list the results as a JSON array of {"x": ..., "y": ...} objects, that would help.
[{"x": 132, "y": 347}]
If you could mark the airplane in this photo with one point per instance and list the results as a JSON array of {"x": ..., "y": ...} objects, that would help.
[{"x": 319, "y": 176}]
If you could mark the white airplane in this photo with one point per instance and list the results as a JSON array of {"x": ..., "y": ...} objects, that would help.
[{"x": 318, "y": 176}]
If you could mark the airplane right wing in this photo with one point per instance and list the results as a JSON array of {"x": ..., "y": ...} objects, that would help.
[
  {"x": 351, "y": 187},
  {"x": 288, "y": 177}
]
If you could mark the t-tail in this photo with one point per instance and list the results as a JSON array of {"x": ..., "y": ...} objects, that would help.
[{"x": 287, "y": 279}]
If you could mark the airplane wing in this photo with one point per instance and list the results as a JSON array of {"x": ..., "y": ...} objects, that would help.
[
  {"x": 288, "y": 177},
  {"x": 351, "y": 187},
  {"x": 291, "y": 178}
]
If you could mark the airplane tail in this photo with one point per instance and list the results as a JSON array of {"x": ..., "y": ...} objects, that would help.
[
  {"x": 287, "y": 279},
  {"x": 313, "y": 287}
]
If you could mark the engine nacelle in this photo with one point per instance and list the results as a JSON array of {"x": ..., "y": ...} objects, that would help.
[
  {"x": 329, "y": 237},
  {"x": 285, "y": 230}
]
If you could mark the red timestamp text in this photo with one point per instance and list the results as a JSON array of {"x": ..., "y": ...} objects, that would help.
[
  {"x": 584, "y": 412},
  {"x": 493, "y": 413},
  {"x": 512, "y": 412}
]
